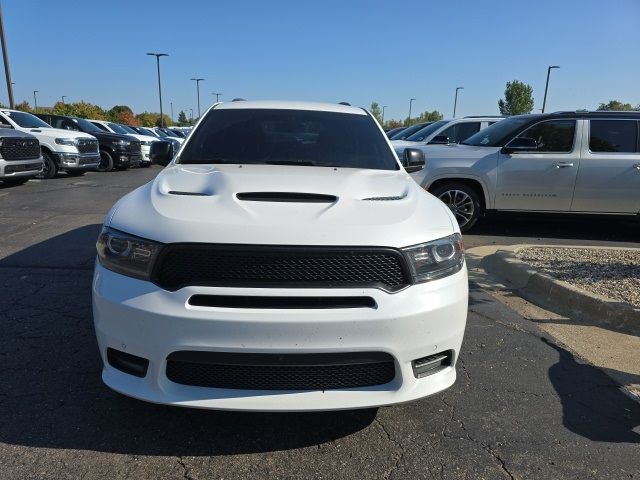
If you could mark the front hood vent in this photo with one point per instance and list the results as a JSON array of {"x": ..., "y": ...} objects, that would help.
[
  {"x": 384, "y": 199},
  {"x": 286, "y": 197}
]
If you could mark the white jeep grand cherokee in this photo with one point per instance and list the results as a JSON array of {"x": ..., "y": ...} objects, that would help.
[{"x": 284, "y": 260}]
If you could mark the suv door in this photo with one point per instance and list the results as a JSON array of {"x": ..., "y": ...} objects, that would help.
[
  {"x": 609, "y": 175},
  {"x": 544, "y": 178}
]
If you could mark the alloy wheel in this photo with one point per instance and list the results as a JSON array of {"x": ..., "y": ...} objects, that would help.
[{"x": 460, "y": 203}]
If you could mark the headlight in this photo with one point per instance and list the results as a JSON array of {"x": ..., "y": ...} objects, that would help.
[
  {"x": 71, "y": 142},
  {"x": 146, "y": 143},
  {"x": 437, "y": 259},
  {"x": 121, "y": 143},
  {"x": 126, "y": 254}
]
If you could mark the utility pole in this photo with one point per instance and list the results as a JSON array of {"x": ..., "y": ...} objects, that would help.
[
  {"x": 410, "y": 102},
  {"x": 5, "y": 57},
  {"x": 35, "y": 101},
  {"x": 171, "y": 103},
  {"x": 384, "y": 107},
  {"x": 198, "y": 80},
  {"x": 546, "y": 87},
  {"x": 158, "y": 55},
  {"x": 217, "y": 96},
  {"x": 455, "y": 102}
]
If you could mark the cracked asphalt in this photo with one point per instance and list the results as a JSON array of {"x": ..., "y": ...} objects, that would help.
[{"x": 523, "y": 405}]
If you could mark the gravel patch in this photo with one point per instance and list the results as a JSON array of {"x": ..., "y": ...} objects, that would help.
[{"x": 608, "y": 272}]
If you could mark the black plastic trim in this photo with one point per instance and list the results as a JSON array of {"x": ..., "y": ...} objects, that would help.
[
  {"x": 127, "y": 363},
  {"x": 293, "y": 197},
  {"x": 250, "y": 301}
]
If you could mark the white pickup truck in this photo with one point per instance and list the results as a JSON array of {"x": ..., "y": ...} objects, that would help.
[{"x": 62, "y": 150}]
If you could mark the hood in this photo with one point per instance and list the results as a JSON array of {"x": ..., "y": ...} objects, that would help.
[
  {"x": 282, "y": 205},
  {"x": 58, "y": 133},
  {"x": 143, "y": 138},
  {"x": 109, "y": 137},
  {"x": 11, "y": 133}
]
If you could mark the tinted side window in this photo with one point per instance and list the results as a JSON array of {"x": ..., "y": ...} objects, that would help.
[
  {"x": 613, "y": 135},
  {"x": 461, "y": 131},
  {"x": 552, "y": 136}
]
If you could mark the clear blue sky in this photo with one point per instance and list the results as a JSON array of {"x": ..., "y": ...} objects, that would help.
[{"x": 356, "y": 51}]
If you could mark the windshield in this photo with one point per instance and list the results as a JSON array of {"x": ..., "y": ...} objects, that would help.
[
  {"x": 423, "y": 133},
  {"x": 117, "y": 128},
  {"x": 160, "y": 133},
  {"x": 26, "y": 120},
  {"x": 86, "y": 126},
  {"x": 289, "y": 137},
  {"x": 146, "y": 131},
  {"x": 497, "y": 134},
  {"x": 409, "y": 131},
  {"x": 128, "y": 129}
]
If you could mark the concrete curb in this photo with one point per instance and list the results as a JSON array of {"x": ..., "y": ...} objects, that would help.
[{"x": 559, "y": 296}]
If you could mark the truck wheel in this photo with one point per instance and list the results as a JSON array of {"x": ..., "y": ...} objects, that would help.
[
  {"x": 15, "y": 180},
  {"x": 49, "y": 167},
  {"x": 463, "y": 202},
  {"x": 106, "y": 162},
  {"x": 75, "y": 173}
]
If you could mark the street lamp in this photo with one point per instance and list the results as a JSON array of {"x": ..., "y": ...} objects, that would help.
[
  {"x": 410, "y": 102},
  {"x": 171, "y": 103},
  {"x": 546, "y": 87},
  {"x": 191, "y": 114},
  {"x": 455, "y": 102},
  {"x": 158, "y": 55},
  {"x": 383, "y": 109},
  {"x": 217, "y": 96},
  {"x": 198, "y": 80},
  {"x": 35, "y": 101},
  {"x": 63, "y": 97}
]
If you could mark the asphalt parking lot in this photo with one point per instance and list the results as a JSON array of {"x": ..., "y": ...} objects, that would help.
[{"x": 523, "y": 405}]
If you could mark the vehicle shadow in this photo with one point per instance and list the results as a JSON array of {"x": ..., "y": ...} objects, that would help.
[
  {"x": 51, "y": 393},
  {"x": 583, "y": 228},
  {"x": 593, "y": 405}
]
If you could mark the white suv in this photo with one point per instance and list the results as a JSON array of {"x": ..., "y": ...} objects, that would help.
[
  {"x": 284, "y": 260},
  {"x": 444, "y": 132},
  {"x": 62, "y": 150}
]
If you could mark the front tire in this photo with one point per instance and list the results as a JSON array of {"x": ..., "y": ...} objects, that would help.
[
  {"x": 49, "y": 167},
  {"x": 462, "y": 200},
  {"x": 106, "y": 162}
]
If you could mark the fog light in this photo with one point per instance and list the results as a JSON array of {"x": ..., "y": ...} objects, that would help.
[
  {"x": 127, "y": 363},
  {"x": 433, "y": 363},
  {"x": 124, "y": 159}
]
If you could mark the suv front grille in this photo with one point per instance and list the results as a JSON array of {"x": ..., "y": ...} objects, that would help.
[
  {"x": 20, "y": 148},
  {"x": 87, "y": 146},
  {"x": 250, "y": 371},
  {"x": 135, "y": 147},
  {"x": 181, "y": 265}
]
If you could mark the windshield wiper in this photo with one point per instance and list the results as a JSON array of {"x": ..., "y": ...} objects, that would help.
[{"x": 306, "y": 163}]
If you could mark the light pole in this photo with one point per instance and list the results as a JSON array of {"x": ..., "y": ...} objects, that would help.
[
  {"x": 410, "y": 102},
  {"x": 455, "y": 102},
  {"x": 171, "y": 103},
  {"x": 35, "y": 101},
  {"x": 5, "y": 57},
  {"x": 546, "y": 87},
  {"x": 191, "y": 114},
  {"x": 217, "y": 96},
  {"x": 158, "y": 55},
  {"x": 63, "y": 97},
  {"x": 383, "y": 109},
  {"x": 198, "y": 80}
]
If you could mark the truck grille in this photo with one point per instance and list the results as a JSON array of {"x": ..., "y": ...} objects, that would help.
[
  {"x": 86, "y": 145},
  {"x": 181, "y": 265},
  {"x": 247, "y": 371},
  {"x": 135, "y": 147},
  {"x": 20, "y": 148}
]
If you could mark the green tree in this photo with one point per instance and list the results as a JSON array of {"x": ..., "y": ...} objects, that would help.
[
  {"x": 393, "y": 123},
  {"x": 121, "y": 114},
  {"x": 376, "y": 111},
  {"x": 426, "y": 116},
  {"x": 617, "y": 105},
  {"x": 24, "y": 106},
  {"x": 182, "y": 119},
  {"x": 80, "y": 109},
  {"x": 518, "y": 99}
]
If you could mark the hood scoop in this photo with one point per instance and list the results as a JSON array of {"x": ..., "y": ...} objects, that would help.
[
  {"x": 292, "y": 197},
  {"x": 193, "y": 194}
]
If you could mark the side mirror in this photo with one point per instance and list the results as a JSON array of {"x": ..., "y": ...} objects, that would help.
[
  {"x": 413, "y": 160},
  {"x": 520, "y": 144},
  {"x": 440, "y": 140},
  {"x": 161, "y": 153}
]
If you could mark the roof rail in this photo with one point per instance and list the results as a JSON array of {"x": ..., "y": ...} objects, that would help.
[
  {"x": 484, "y": 116},
  {"x": 238, "y": 100},
  {"x": 344, "y": 103}
]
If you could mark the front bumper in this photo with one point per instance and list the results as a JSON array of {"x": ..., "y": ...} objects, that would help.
[
  {"x": 78, "y": 161},
  {"x": 20, "y": 168},
  {"x": 146, "y": 158},
  {"x": 142, "y": 319},
  {"x": 126, "y": 158}
]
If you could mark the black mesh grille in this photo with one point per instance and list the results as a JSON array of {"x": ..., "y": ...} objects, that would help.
[
  {"x": 87, "y": 146},
  {"x": 20, "y": 148},
  {"x": 135, "y": 147},
  {"x": 293, "y": 266},
  {"x": 282, "y": 377}
]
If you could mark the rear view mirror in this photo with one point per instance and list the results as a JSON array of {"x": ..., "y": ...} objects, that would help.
[
  {"x": 161, "y": 153},
  {"x": 520, "y": 144},
  {"x": 413, "y": 160},
  {"x": 440, "y": 139}
]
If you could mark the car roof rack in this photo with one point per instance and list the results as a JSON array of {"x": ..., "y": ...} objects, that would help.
[
  {"x": 484, "y": 116},
  {"x": 344, "y": 103},
  {"x": 238, "y": 100}
]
